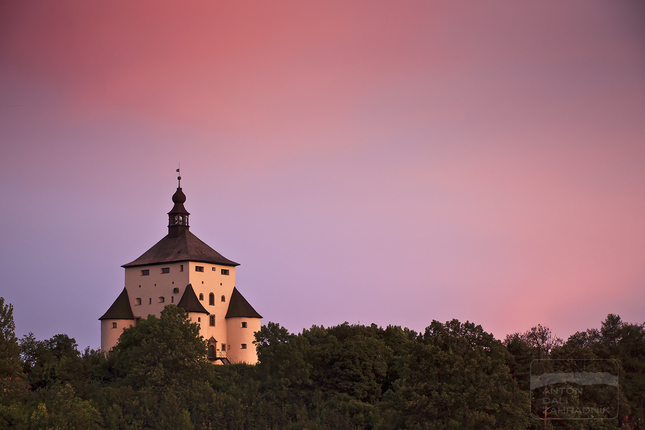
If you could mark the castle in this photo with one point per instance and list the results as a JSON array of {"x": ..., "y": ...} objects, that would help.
[{"x": 181, "y": 269}]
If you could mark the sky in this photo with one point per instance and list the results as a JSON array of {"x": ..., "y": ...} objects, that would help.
[{"x": 364, "y": 161}]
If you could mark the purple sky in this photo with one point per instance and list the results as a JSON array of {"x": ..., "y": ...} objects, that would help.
[{"x": 372, "y": 161}]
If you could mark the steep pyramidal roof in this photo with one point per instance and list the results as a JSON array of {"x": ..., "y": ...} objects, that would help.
[
  {"x": 190, "y": 303},
  {"x": 120, "y": 309},
  {"x": 180, "y": 244},
  {"x": 239, "y": 307},
  {"x": 185, "y": 247}
]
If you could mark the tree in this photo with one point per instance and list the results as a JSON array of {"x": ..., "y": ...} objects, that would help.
[
  {"x": 160, "y": 352},
  {"x": 455, "y": 377},
  {"x": 9, "y": 348},
  {"x": 13, "y": 390},
  {"x": 541, "y": 341}
]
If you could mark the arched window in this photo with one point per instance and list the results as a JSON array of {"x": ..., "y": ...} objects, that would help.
[
  {"x": 201, "y": 297},
  {"x": 223, "y": 299},
  {"x": 211, "y": 299}
]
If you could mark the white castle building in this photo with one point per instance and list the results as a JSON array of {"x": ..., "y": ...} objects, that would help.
[{"x": 182, "y": 270}]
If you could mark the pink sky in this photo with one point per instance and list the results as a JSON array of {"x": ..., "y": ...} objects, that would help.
[{"x": 372, "y": 161}]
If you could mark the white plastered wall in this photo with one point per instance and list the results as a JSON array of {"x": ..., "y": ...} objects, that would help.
[
  {"x": 110, "y": 335},
  {"x": 239, "y": 335}
]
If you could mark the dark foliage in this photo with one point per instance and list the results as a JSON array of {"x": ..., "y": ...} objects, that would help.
[{"x": 451, "y": 376}]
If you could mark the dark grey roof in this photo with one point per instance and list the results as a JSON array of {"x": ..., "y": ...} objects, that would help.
[
  {"x": 239, "y": 307},
  {"x": 189, "y": 301},
  {"x": 120, "y": 309},
  {"x": 185, "y": 247}
]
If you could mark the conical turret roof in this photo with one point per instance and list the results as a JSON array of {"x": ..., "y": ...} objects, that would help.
[{"x": 120, "y": 309}]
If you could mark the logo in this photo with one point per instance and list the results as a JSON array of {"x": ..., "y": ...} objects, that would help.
[{"x": 574, "y": 389}]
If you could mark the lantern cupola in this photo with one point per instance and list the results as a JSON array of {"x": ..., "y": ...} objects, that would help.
[{"x": 178, "y": 216}]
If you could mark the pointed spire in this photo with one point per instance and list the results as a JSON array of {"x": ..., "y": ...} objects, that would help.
[{"x": 178, "y": 216}]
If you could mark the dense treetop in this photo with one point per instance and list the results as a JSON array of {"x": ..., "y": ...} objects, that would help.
[{"x": 454, "y": 375}]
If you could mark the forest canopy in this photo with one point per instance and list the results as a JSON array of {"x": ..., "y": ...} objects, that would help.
[{"x": 454, "y": 375}]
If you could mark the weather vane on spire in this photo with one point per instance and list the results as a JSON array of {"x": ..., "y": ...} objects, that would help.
[{"x": 179, "y": 176}]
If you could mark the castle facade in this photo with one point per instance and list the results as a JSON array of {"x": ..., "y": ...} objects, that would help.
[{"x": 180, "y": 269}]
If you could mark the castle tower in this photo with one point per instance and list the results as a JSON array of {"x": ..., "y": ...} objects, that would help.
[{"x": 181, "y": 269}]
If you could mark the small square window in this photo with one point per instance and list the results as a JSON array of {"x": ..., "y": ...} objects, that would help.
[
  {"x": 165, "y": 270},
  {"x": 161, "y": 300},
  {"x": 113, "y": 325},
  {"x": 243, "y": 346},
  {"x": 244, "y": 324},
  {"x": 214, "y": 269},
  {"x": 175, "y": 290},
  {"x": 137, "y": 301},
  {"x": 145, "y": 272},
  {"x": 224, "y": 271},
  {"x": 199, "y": 268}
]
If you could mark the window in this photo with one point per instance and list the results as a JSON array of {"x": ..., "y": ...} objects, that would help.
[
  {"x": 223, "y": 347},
  {"x": 211, "y": 299},
  {"x": 244, "y": 324},
  {"x": 211, "y": 321},
  {"x": 199, "y": 319},
  {"x": 224, "y": 271},
  {"x": 223, "y": 298},
  {"x": 201, "y": 297},
  {"x": 113, "y": 325},
  {"x": 243, "y": 346},
  {"x": 165, "y": 270},
  {"x": 214, "y": 269},
  {"x": 161, "y": 300},
  {"x": 145, "y": 272},
  {"x": 181, "y": 267},
  {"x": 137, "y": 301},
  {"x": 175, "y": 290},
  {"x": 199, "y": 268},
  {"x": 150, "y": 301},
  {"x": 172, "y": 299}
]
